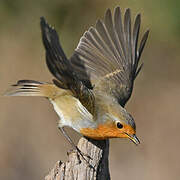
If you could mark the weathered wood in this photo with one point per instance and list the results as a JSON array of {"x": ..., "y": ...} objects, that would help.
[{"x": 75, "y": 169}]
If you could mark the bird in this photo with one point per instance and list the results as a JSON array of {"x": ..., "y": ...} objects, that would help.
[{"x": 90, "y": 89}]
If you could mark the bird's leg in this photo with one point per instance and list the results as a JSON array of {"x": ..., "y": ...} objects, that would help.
[{"x": 74, "y": 146}]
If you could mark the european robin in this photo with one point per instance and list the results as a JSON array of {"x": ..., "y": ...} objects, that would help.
[{"x": 91, "y": 88}]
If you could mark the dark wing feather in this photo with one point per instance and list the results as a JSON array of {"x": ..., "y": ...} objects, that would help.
[
  {"x": 79, "y": 68},
  {"x": 111, "y": 55},
  {"x": 56, "y": 59},
  {"x": 62, "y": 68}
]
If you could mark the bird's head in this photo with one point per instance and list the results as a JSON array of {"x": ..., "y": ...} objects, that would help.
[
  {"x": 115, "y": 123},
  {"x": 121, "y": 125},
  {"x": 124, "y": 127}
]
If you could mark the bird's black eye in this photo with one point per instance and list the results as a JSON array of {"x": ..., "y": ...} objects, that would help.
[{"x": 119, "y": 125}]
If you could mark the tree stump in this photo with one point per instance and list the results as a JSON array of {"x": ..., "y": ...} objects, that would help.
[{"x": 78, "y": 169}]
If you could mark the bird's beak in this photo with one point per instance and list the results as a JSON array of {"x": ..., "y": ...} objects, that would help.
[{"x": 133, "y": 138}]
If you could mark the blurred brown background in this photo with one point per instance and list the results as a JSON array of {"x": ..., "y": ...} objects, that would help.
[{"x": 30, "y": 142}]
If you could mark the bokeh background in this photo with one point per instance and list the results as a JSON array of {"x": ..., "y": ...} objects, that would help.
[{"x": 30, "y": 143}]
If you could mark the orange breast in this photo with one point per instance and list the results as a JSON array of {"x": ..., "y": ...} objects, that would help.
[{"x": 105, "y": 131}]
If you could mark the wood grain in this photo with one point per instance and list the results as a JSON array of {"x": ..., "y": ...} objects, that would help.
[{"x": 78, "y": 169}]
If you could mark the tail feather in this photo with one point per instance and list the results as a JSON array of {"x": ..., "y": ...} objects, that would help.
[
  {"x": 26, "y": 88},
  {"x": 34, "y": 88}
]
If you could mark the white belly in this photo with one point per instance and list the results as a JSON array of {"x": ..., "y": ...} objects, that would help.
[{"x": 72, "y": 113}]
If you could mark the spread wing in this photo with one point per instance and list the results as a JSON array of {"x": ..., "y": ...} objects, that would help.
[
  {"x": 62, "y": 69},
  {"x": 111, "y": 54}
]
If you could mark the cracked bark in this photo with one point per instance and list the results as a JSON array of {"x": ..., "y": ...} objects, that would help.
[{"x": 80, "y": 170}]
